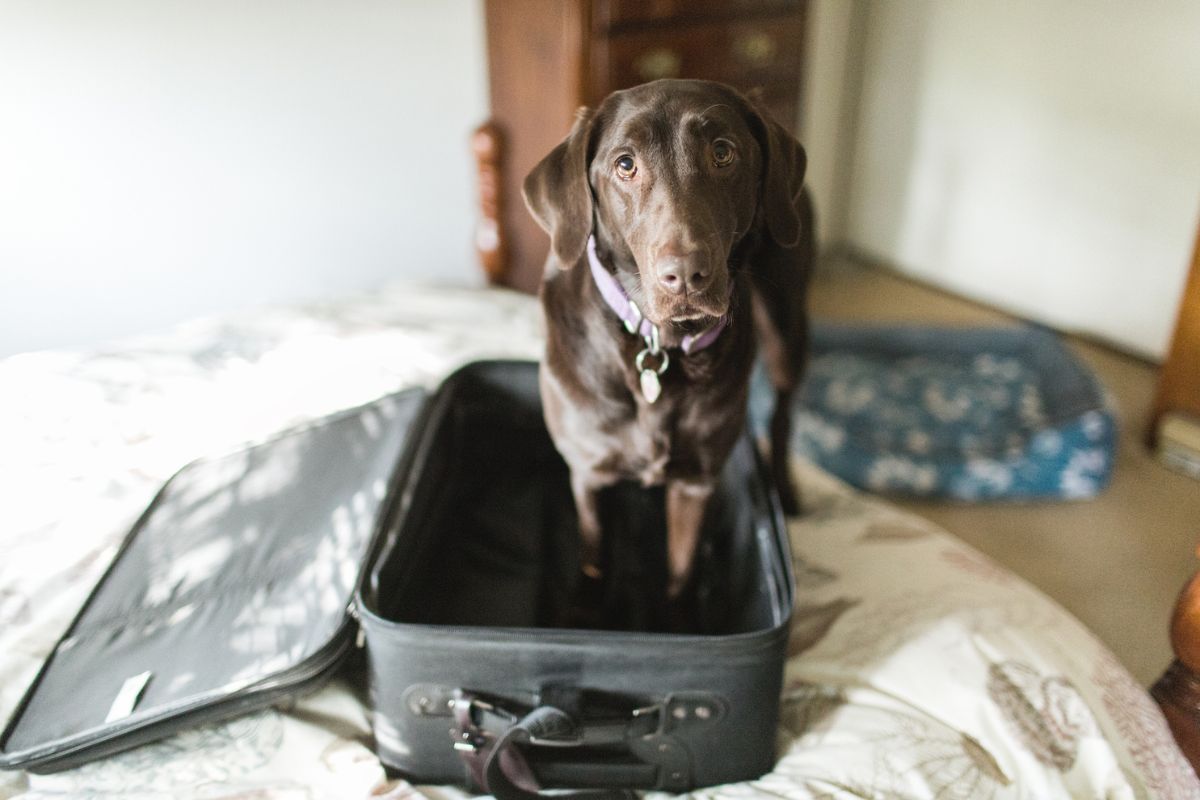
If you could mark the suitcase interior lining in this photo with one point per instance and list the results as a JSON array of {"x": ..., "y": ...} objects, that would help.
[{"x": 490, "y": 537}]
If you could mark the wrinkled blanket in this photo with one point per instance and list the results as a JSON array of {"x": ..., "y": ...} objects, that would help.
[{"x": 918, "y": 668}]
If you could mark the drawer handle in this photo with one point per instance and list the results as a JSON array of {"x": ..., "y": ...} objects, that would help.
[
  {"x": 660, "y": 63},
  {"x": 756, "y": 49}
]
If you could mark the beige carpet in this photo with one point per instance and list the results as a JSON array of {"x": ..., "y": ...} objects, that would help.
[{"x": 1116, "y": 562}]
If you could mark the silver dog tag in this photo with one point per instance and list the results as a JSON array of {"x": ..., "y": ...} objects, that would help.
[{"x": 651, "y": 388}]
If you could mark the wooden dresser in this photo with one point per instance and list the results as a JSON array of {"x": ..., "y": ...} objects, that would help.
[
  {"x": 546, "y": 58},
  {"x": 1179, "y": 380}
]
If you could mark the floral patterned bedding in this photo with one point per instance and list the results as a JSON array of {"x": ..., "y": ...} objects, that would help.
[{"x": 918, "y": 667}]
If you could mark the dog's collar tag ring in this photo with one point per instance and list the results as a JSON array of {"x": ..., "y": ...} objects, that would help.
[{"x": 651, "y": 386}]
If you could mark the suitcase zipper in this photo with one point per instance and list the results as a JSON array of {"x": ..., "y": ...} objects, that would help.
[
  {"x": 360, "y": 635},
  {"x": 300, "y": 680}
]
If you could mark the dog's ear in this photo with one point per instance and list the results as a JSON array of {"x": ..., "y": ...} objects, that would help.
[
  {"x": 784, "y": 163},
  {"x": 558, "y": 195}
]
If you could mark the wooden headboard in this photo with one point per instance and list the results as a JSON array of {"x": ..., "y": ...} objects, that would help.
[{"x": 1177, "y": 692}]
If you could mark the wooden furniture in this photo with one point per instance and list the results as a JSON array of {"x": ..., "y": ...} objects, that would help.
[
  {"x": 546, "y": 58},
  {"x": 1177, "y": 692},
  {"x": 1179, "y": 381}
]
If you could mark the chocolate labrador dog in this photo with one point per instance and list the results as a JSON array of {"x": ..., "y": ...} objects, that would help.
[{"x": 681, "y": 242}]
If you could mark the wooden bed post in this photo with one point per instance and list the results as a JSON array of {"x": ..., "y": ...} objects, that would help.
[
  {"x": 1177, "y": 692},
  {"x": 490, "y": 240}
]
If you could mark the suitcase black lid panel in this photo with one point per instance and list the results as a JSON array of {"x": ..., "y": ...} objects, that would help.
[{"x": 234, "y": 585}]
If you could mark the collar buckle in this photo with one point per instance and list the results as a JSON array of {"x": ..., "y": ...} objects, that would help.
[{"x": 633, "y": 322}]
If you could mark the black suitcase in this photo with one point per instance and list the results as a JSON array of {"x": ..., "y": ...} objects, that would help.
[{"x": 439, "y": 534}]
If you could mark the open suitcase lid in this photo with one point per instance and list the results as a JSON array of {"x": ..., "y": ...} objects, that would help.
[{"x": 229, "y": 594}]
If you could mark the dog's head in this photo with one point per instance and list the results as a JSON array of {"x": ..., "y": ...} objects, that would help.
[{"x": 670, "y": 175}]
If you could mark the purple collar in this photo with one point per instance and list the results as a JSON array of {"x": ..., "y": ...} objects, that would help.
[{"x": 614, "y": 295}]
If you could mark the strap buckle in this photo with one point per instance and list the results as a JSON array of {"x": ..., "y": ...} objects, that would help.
[
  {"x": 658, "y": 709},
  {"x": 472, "y": 734}
]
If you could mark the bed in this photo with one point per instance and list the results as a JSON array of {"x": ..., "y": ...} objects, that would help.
[{"x": 918, "y": 667}]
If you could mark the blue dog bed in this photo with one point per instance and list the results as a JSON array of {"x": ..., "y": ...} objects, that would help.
[{"x": 968, "y": 414}]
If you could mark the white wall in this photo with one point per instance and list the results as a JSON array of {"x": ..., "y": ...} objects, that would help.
[
  {"x": 1039, "y": 156},
  {"x": 833, "y": 76},
  {"x": 161, "y": 159}
]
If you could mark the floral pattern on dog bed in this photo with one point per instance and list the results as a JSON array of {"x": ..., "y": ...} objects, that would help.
[{"x": 971, "y": 414}]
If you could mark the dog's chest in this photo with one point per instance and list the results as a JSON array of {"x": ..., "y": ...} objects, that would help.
[
  {"x": 646, "y": 441},
  {"x": 666, "y": 439}
]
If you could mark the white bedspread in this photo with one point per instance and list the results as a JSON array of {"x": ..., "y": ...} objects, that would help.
[{"x": 919, "y": 668}]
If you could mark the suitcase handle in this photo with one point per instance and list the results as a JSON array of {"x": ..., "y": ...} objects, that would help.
[
  {"x": 492, "y": 740},
  {"x": 544, "y": 725}
]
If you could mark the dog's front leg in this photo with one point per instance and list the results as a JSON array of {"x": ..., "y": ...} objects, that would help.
[
  {"x": 784, "y": 366},
  {"x": 585, "y": 488},
  {"x": 686, "y": 502}
]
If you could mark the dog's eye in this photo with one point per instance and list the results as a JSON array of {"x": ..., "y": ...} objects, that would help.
[
  {"x": 722, "y": 153},
  {"x": 626, "y": 167}
]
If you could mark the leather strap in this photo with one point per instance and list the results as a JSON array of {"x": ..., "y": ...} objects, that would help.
[
  {"x": 506, "y": 767},
  {"x": 491, "y": 742}
]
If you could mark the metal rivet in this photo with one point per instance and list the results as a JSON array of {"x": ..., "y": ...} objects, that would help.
[
  {"x": 676, "y": 776},
  {"x": 679, "y": 712},
  {"x": 703, "y": 712},
  {"x": 662, "y": 748},
  {"x": 424, "y": 702}
]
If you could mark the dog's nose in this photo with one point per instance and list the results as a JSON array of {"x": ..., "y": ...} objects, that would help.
[{"x": 679, "y": 273}]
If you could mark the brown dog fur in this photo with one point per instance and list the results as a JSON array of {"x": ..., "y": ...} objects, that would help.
[{"x": 693, "y": 233}]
